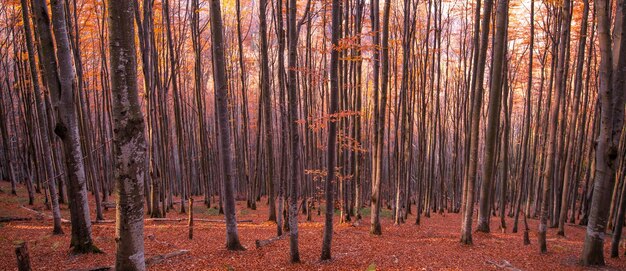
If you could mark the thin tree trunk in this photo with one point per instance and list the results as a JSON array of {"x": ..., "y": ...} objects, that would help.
[
  {"x": 43, "y": 120},
  {"x": 495, "y": 100},
  {"x": 379, "y": 125},
  {"x": 528, "y": 112},
  {"x": 477, "y": 89},
  {"x": 267, "y": 109},
  {"x": 552, "y": 133},
  {"x": 332, "y": 130},
  {"x": 225, "y": 148},
  {"x": 293, "y": 131},
  {"x": 67, "y": 130},
  {"x": 569, "y": 168}
]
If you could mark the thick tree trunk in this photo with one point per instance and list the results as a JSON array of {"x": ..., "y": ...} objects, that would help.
[
  {"x": 375, "y": 197},
  {"x": 23, "y": 257},
  {"x": 129, "y": 141},
  {"x": 282, "y": 102},
  {"x": 356, "y": 130},
  {"x": 611, "y": 99}
]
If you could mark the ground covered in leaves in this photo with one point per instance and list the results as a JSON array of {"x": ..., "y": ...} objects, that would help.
[{"x": 433, "y": 245}]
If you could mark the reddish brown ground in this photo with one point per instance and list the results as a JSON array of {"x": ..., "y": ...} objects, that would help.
[{"x": 433, "y": 245}]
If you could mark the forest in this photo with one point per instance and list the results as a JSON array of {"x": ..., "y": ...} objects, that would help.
[{"x": 312, "y": 134}]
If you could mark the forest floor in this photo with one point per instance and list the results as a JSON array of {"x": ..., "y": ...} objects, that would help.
[{"x": 433, "y": 245}]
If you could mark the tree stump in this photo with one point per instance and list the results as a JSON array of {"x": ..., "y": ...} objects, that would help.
[{"x": 23, "y": 260}]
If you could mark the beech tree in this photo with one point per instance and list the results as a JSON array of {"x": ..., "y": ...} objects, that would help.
[
  {"x": 420, "y": 112},
  {"x": 225, "y": 147},
  {"x": 267, "y": 109},
  {"x": 62, "y": 87},
  {"x": 493, "y": 118},
  {"x": 379, "y": 123},
  {"x": 293, "y": 30},
  {"x": 41, "y": 114},
  {"x": 553, "y": 122},
  {"x": 128, "y": 138},
  {"x": 332, "y": 129},
  {"x": 477, "y": 90},
  {"x": 611, "y": 99}
]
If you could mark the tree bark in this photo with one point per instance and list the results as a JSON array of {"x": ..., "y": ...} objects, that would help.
[
  {"x": 553, "y": 122},
  {"x": 41, "y": 109},
  {"x": 477, "y": 89},
  {"x": 129, "y": 141},
  {"x": 332, "y": 130},
  {"x": 495, "y": 100},
  {"x": 293, "y": 131},
  {"x": 611, "y": 99},
  {"x": 267, "y": 109},
  {"x": 225, "y": 148},
  {"x": 67, "y": 130},
  {"x": 379, "y": 125},
  {"x": 569, "y": 167},
  {"x": 23, "y": 258}
]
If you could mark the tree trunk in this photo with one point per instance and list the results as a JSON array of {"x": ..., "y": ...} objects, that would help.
[
  {"x": 293, "y": 131},
  {"x": 521, "y": 176},
  {"x": 225, "y": 148},
  {"x": 611, "y": 99},
  {"x": 619, "y": 224},
  {"x": 23, "y": 258},
  {"x": 128, "y": 138},
  {"x": 267, "y": 109},
  {"x": 332, "y": 130},
  {"x": 41, "y": 109},
  {"x": 551, "y": 146},
  {"x": 569, "y": 167},
  {"x": 477, "y": 89},
  {"x": 495, "y": 100},
  {"x": 379, "y": 125},
  {"x": 67, "y": 130}
]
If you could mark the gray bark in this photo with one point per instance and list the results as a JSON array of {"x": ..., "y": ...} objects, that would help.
[
  {"x": 611, "y": 99},
  {"x": 129, "y": 142},
  {"x": 495, "y": 100},
  {"x": 50, "y": 73},
  {"x": 67, "y": 130},
  {"x": 43, "y": 122},
  {"x": 225, "y": 148}
]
